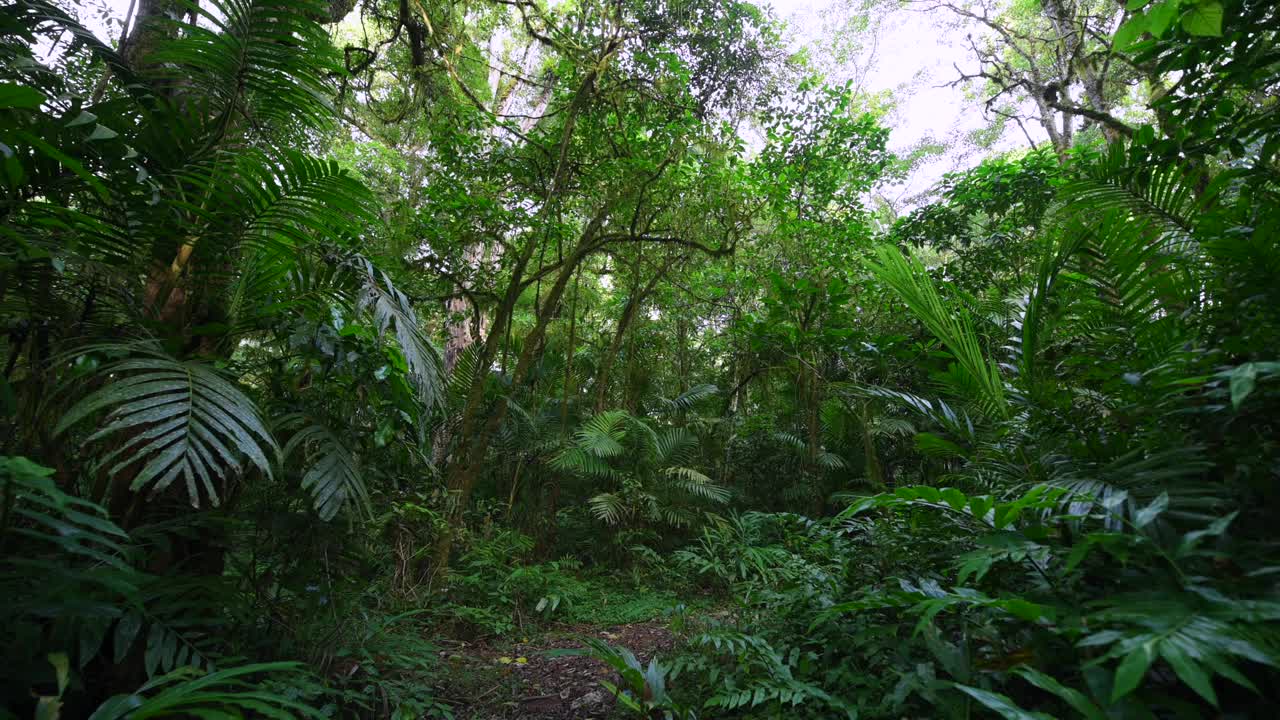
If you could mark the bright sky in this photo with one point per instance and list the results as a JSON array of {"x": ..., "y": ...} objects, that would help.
[{"x": 912, "y": 55}]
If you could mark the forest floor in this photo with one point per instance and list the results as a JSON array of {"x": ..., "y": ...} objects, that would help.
[{"x": 503, "y": 679}]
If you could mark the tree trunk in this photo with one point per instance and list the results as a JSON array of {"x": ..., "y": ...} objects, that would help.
[{"x": 634, "y": 303}]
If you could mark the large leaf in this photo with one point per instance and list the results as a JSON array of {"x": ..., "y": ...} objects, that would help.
[
  {"x": 172, "y": 420},
  {"x": 264, "y": 59},
  {"x": 333, "y": 476},
  {"x": 949, "y": 322},
  {"x": 392, "y": 310}
]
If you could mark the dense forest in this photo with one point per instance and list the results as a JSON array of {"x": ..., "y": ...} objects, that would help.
[{"x": 572, "y": 358}]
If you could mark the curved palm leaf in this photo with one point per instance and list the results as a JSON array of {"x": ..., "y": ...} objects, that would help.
[
  {"x": 391, "y": 310},
  {"x": 686, "y": 400},
  {"x": 694, "y": 483},
  {"x": 911, "y": 283},
  {"x": 602, "y": 435},
  {"x": 228, "y": 693}
]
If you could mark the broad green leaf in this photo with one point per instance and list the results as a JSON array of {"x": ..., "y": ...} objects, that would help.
[
  {"x": 1161, "y": 16},
  {"x": 928, "y": 494},
  {"x": 1204, "y": 18},
  {"x": 1001, "y": 704},
  {"x": 953, "y": 497},
  {"x": 1131, "y": 670},
  {"x": 1130, "y": 31},
  {"x": 20, "y": 96}
]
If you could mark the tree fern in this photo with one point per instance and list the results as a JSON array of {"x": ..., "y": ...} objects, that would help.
[{"x": 175, "y": 420}]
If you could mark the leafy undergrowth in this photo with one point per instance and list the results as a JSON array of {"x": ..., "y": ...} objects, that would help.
[{"x": 606, "y": 604}]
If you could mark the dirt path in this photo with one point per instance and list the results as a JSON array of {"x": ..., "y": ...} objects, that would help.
[{"x": 502, "y": 680}]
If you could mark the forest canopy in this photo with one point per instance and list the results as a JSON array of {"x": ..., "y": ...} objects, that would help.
[{"x": 611, "y": 358}]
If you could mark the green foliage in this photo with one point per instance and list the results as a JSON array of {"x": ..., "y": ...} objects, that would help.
[
  {"x": 1012, "y": 454},
  {"x": 234, "y": 692},
  {"x": 656, "y": 484},
  {"x": 179, "y": 419},
  {"x": 643, "y": 690}
]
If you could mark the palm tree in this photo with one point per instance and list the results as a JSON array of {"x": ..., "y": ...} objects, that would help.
[{"x": 161, "y": 224}]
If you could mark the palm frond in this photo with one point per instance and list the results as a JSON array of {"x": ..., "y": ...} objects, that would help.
[
  {"x": 391, "y": 309},
  {"x": 228, "y": 693},
  {"x": 574, "y": 459},
  {"x": 1161, "y": 195},
  {"x": 264, "y": 60},
  {"x": 686, "y": 400},
  {"x": 674, "y": 446},
  {"x": 911, "y": 283},
  {"x": 175, "y": 420},
  {"x": 609, "y": 507},
  {"x": 602, "y": 434},
  {"x": 333, "y": 476},
  {"x": 697, "y": 485},
  {"x": 957, "y": 424}
]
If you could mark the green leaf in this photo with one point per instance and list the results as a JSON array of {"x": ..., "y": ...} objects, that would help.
[
  {"x": 62, "y": 669},
  {"x": 127, "y": 628},
  {"x": 954, "y": 498},
  {"x": 1204, "y": 19},
  {"x": 84, "y": 118},
  {"x": 1131, "y": 670},
  {"x": 1001, "y": 704},
  {"x": 980, "y": 506},
  {"x": 1148, "y": 514},
  {"x": 179, "y": 421},
  {"x": 1189, "y": 671},
  {"x": 1130, "y": 31},
  {"x": 102, "y": 132},
  {"x": 1076, "y": 699},
  {"x": 20, "y": 96},
  {"x": 1242, "y": 380},
  {"x": 1161, "y": 16}
]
